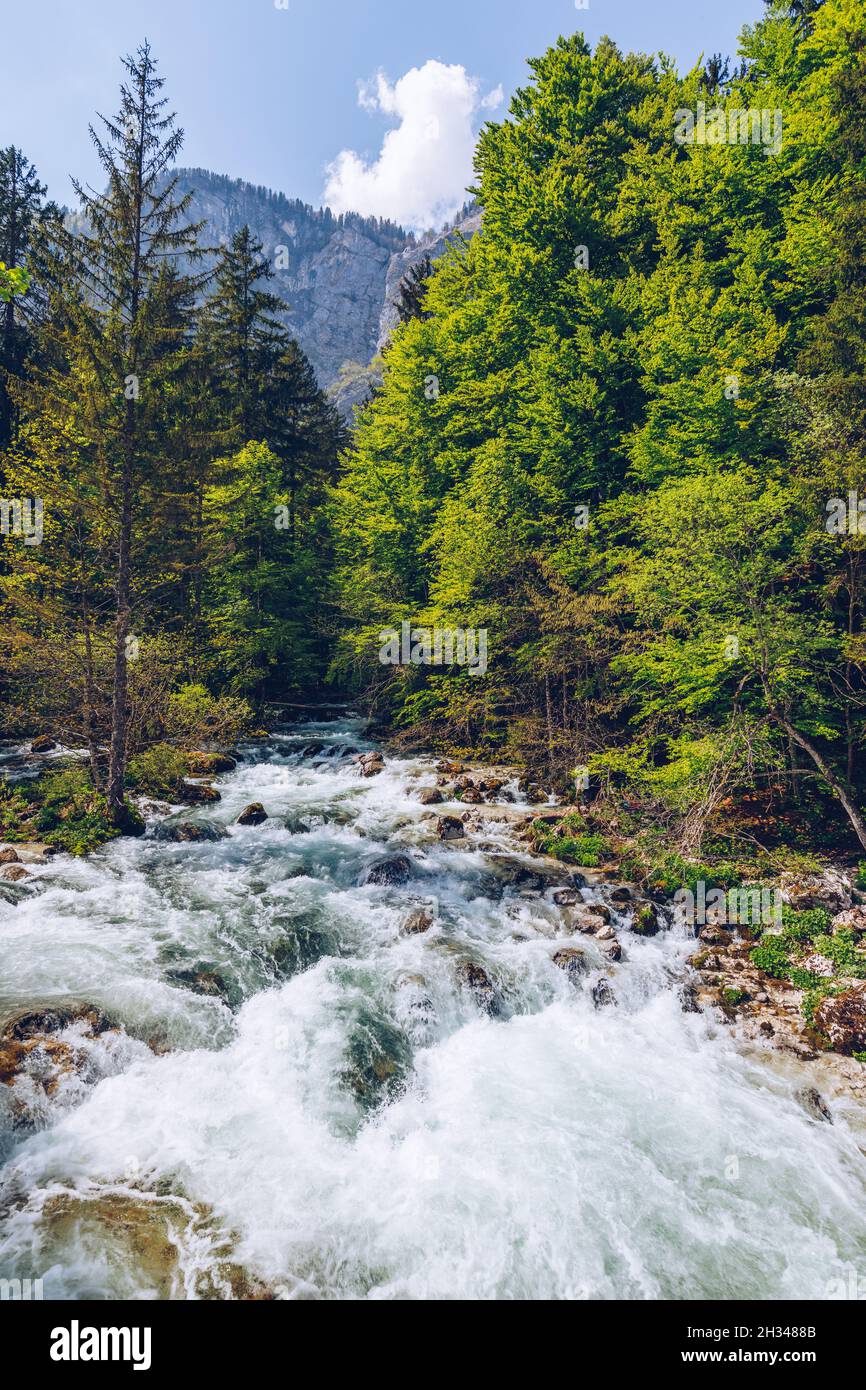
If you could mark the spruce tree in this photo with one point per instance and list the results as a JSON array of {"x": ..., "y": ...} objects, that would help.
[{"x": 121, "y": 319}]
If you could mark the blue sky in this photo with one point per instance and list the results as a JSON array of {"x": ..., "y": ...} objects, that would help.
[{"x": 272, "y": 94}]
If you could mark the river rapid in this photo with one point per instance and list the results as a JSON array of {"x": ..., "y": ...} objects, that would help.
[{"x": 341, "y": 1115}]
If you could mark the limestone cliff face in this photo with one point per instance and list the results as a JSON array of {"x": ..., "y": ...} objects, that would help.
[
  {"x": 339, "y": 275},
  {"x": 330, "y": 270}
]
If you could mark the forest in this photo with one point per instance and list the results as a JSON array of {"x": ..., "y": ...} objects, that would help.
[{"x": 620, "y": 433}]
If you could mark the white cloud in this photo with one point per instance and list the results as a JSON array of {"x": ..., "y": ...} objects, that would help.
[{"x": 425, "y": 163}]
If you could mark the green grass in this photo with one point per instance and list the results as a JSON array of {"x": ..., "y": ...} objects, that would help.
[{"x": 560, "y": 842}]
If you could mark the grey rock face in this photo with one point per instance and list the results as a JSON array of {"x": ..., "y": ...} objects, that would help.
[
  {"x": 330, "y": 270},
  {"x": 338, "y": 275}
]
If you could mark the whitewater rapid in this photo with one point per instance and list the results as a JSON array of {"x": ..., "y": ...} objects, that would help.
[{"x": 345, "y": 1120}]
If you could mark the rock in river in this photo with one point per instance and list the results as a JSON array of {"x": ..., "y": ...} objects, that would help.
[
  {"x": 183, "y": 831},
  {"x": 418, "y": 921},
  {"x": 392, "y": 869},
  {"x": 450, "y": 828},
  {"x": 253, "y": 814}
]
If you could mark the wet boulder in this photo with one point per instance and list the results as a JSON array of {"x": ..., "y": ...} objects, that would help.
[
  {"x": 9, "y": 856},
  {"x": 314, "y": 749},
  {"x": 841, "y": 1018},
  {"x": 567, "y": 897},
  {"x": 37, "y": 1022},
  {"x": 429, "y": 796},
  {"x": 30, "y": 1046},
  {"x": 371, "y": 764},
  {"x": 646, "y": 922},
  {"x": 476, "y": 979},
  {"x": 378, "y": 1058},
  {"x": 13, "y": 873},
  {"x": 43, "y": 744},
  {"x": 254, "y": 814},
  {"x": 612, "y": 949},
  {"x": 620, "y": 894},
  {"x": 814, "y": 1104},
  {"x": 583, "y": 919},
  {"x": 688, "y": 997},
  {"x": 450, "y": 828},
  {"x": 199, "y": 794},
  {"x": 210, "y": 764},
  {"x": 388, "y": 871},
  {"x": 202, "y": 980},
  {"x": 449, "y": 768},
  {"x": 571, "y": 960},
  {"x": 602, "y": 995},
  {"x": 420, "y": 920},
  {"x": 189, "y": 832}
]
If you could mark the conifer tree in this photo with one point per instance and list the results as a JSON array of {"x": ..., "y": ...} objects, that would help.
[{"x": 118, "y": 335}]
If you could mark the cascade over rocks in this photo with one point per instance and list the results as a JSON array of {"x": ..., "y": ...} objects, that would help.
[{"x": 476, "y": 979}]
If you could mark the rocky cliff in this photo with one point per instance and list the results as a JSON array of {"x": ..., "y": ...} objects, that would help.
[
  {"x": 339, "y": 275},
  {"x": 330, "y": 270}
]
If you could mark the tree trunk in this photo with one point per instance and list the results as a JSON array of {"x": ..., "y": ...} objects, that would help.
[
  {"x": 120, "y": 694},
  {"x": 831, "y": 779},
  {"x": 548, "y": 700}
]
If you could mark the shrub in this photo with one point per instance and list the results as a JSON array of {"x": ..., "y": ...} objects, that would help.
[
  {"x": 159, "y": 771},
  {"x": 196, "y": 717},
  {"x": 771, "y": 956},
  {"x": 574, "y": 849}
]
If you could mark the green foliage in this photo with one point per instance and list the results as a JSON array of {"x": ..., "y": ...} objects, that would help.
[
  {"x": 158, "y": 771},
  {"x": 13, "y": 281},
  {"x": 196, "y": 717},
  {"x": 671, "y": 872},
  {"x": 61, "y": 809},
  {"x": 803, "y": 934},
  {"x": 772, "y": 956},
  {"x": 806, "y": 925},
  {"x": 691, "y": 388},
  {"x": 560, "y": 842}
]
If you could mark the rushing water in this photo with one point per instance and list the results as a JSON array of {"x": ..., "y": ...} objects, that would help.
[{"x": 345, "y": 1118}]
